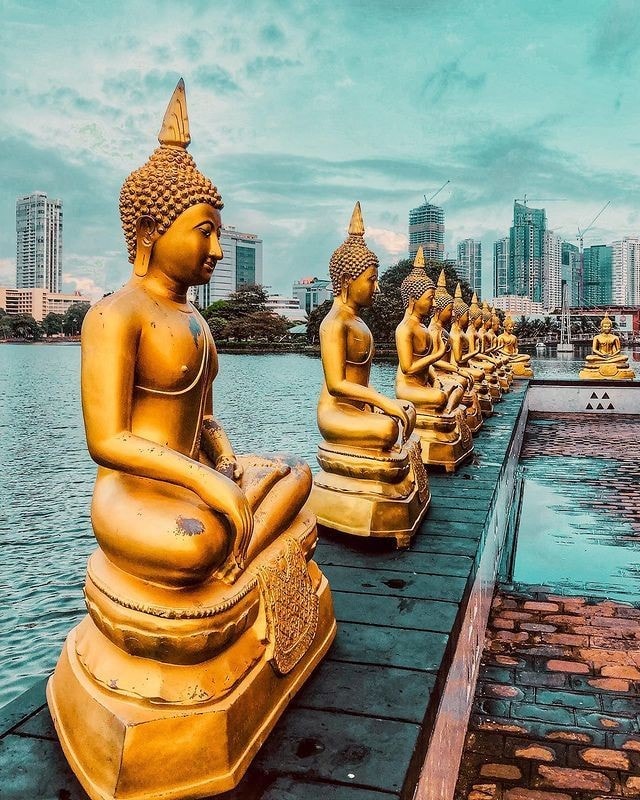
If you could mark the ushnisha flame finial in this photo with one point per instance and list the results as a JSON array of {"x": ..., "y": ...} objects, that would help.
[
  {"x": 175, "y": 124},
  {"x": 459, "y": 306},
  {"x": 442, "y": 297},
  {"x": 353, "y": 256},
  {"x": 356, "y": 225},
  {"x": 442, "y": 280},
  {"x": 417, "y": 281},
  {"x": 419, "y": 259}
]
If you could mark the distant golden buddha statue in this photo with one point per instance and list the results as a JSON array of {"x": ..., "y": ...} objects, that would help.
[
  {"x": 508, "y": 346},
  {"x": 475, "y": 334},
  {"x": 436, "y": 392},
  {"x": 488, "y": 344},
  {"x": 206, "y": 613},
  {"x": 461, "y": 354},
  {"x": 606, "y": 361},
  {"x": 372, "y": 481}
]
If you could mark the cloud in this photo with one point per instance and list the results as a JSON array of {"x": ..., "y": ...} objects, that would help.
[
  {"x": 272, "y": 34},
  {"x": 265, "y": 64},
  {"x": 215, "y": 77},
  {"x": 450, "y": 77},
  {"x": 86, "y": 286},
  {"x": 617, "y": 39},
  {"x": 394, "y": 243}
]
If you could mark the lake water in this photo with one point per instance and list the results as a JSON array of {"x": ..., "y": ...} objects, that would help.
[{"x": 266, "y": 402}]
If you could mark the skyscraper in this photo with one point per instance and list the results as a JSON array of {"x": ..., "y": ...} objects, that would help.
[
  {"x": 241, "y": 264},
  {"x": 469, "y": 267},
  {"x": 597, "y": 274},
  {"x": 626, "y": 271},
  {"x": 426, "y": 228},
  {"x": 500, "y": 266},
  {"x": 39, "y": 242},
  {"x": 526, "y": 252},
  {"x": 551, "y": 271},
  {"x": 571, "y": 272}
]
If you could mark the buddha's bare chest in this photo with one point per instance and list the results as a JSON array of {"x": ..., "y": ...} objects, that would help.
[
  {"x": 359, "y": 342},
  {"x": 172, "y": 352}
]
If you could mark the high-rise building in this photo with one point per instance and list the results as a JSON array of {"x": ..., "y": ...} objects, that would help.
[
  {"x": 240, "y": 265},
  {"x": 469, "y": 267},
  {"x": 500, "y": 267},
  {"x": 39, "y": 242},
  {"x": 597, "y": 274},
  {"x": 426, "y": 228},
  {"x": 312, "y": 292},
  {"x": 551, "y": 271},
  {"x": 626, "y": 271},
  {"x": 526, "y": 251},
  {"x": 571, "y": 272}
]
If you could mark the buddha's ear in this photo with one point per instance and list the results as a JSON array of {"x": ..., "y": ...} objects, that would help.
[
  {"x": 344, "y": 288},
  {"x": 146, "y": 236}
]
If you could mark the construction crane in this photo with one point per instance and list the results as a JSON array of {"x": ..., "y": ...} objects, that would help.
[
  {"x": 580, "y": 238},
  {"x": 526, "y": 200},
  {"x": 446, "y": 183}
]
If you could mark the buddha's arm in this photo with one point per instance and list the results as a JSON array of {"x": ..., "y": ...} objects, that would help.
[
  {"x": 333, "y": 346},
  {"x": 409, "y": 364},
  {"x": 217, "y": 446},
  {"x": 595, "y": 347},
  {"x": 615, "y": 346},
  {"x": 109, "y": 350}
]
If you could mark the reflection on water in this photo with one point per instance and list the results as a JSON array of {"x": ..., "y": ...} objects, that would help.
[{"x": 266, "y": 402}]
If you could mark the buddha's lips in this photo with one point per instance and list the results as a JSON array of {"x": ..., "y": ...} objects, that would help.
[{"x": 210, "y": 264}]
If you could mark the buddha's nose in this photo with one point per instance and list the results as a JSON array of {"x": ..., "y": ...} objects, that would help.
[
  {"x": 215, "y": 251},
  {"x": 376, "y": 288}
]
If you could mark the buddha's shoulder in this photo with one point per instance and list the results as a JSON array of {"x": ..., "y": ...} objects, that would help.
[{"x": 126, "y": 305}]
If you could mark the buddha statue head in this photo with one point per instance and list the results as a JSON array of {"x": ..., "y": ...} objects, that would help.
[
  {"x": 508, "y": 324},
  {"x": 460, "y": 312},
  {"x": 442, "y": 301},
  {"x": 486, "y": 315},
  {"x": 353, "y": 268},
  {"x": 475, "y": 312},
  {"x": 495, "y": 320},
  {"x": 156, "y": 195},
  {"x": 417, "y": 289},
  {"x": 606, "y": 326}
]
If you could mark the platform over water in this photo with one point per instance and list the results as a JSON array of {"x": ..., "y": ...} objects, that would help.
[{"x": 359, "y": 729}]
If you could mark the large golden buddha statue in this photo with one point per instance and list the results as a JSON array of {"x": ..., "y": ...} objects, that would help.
[
  {"x": 606, "y": 361},
  {"x": 475, "y": 334},
  {"x": 206, "y": 613},
  {"x": 461, "y": 354},
  {"x": 436, "y": 393},
  {"x": 372, "y": 481},
  {"x": 508, "y": 345}
]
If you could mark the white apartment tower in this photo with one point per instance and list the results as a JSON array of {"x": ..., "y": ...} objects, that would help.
[
  {"x": 500, "y": 267},
  {"x": 625, "y": 271},
  {"x": 241, "y": 264},
  {"x": 470, "y": 263},
  {"x": 551, "y": 271},
  {"x": 39, "y": 242}
]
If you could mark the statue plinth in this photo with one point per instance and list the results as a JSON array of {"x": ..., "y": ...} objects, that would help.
[
  {"x": 607, "y": 372},
  {"x": 371, "y": 493},
  {"x": 171, "y": 693},
  {"x": 445, "y": 439}
]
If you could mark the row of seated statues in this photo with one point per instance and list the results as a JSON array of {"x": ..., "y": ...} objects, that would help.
[{"x": 206, "y": 610}]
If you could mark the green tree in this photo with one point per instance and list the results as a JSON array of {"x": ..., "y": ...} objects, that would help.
[
  {"x": 74, "y": 317},
  {"x": 24, "y": 326},
  {"x": 247, "y": 299},
  {"x": 255, "y": 326},
  {"x": 52, "y": 323},
  {"x": 6, "y": 328},
  {"x": 315, "y": 319}
]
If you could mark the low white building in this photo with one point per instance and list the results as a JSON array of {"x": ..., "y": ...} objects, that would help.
[
  {"x": 38, "y": 302},
  {"x": 312, "y": 292},
  {"x": 287, "y": 307},
  {"x": 516, "y": 304}
]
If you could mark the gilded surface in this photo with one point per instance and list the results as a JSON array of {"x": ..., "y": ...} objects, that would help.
[
  {"x": 365, "y": 487},
  {"x": 291, "y": 607},
  {"x": 606, "y": 359},
  {"x": 190, "y": 533}
]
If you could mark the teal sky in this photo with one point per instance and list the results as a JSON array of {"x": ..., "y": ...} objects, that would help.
[{"x": 298, "y": 109}]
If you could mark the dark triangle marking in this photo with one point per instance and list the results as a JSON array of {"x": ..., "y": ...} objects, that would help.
[
  {"x": 605, "y": 396},
  {"x": 599, "y": 407},
  {"x": 589, "y": 407},
  {"x": 610, "y": 406},
  {"x": 594, "y": 396}
]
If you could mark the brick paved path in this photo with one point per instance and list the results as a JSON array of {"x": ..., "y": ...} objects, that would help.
[{"x": 557, "y": 708}]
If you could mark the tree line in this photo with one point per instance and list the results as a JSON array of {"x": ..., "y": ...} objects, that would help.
[{"x": 24, "y": 326}]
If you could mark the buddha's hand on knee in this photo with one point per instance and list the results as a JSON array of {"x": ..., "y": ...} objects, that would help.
[
  {"x": 230, "y": 467},
  {"x": 399, "y": 410},
  {"x": 224, "y": 496}
]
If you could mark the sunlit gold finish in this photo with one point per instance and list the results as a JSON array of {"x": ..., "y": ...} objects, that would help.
[
  {"x": 441, "y": 424},
  {"x": 474, "y": 333},
  {"x": 461, "y": 354},
  {"x": 206, "y": 612},
  {"x": 372, "y": 481},
  {"x": 487, "y": 339},
  {"x": 606, "y": 361},
  {"x": 508, "y": 346}
]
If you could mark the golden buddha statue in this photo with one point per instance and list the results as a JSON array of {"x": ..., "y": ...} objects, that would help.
[
  {"x": 508, "y": 346},
  {"x": 475, "y": 333},
  {"x": 372, "y": 481},
  {"x": 461, "y": 354},
  {"x": 606, "y": 361},
  {"x": 488, "y": 344},
  {"x": 206, "y": 613},
  {"x": 426, "y": 379}
]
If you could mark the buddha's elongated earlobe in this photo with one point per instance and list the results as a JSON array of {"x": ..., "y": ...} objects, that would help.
[{"x": 146, "y": 236}]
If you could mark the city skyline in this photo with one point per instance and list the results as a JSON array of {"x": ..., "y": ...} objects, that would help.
[{"x": 529, "y": 100}]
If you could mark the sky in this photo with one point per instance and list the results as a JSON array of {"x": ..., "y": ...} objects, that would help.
[{"x": 298, "y": 109}]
